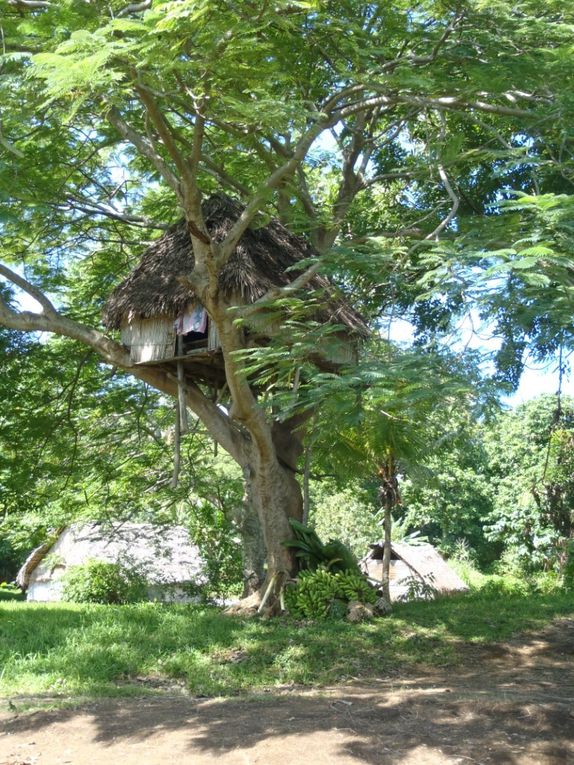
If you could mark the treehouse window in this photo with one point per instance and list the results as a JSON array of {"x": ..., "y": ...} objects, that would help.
[{"x": 191, "y": 330}]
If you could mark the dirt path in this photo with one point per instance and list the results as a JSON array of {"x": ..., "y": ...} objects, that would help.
[{"x": 512, "y": 704}]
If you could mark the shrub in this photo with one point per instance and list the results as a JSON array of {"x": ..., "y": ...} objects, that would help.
[
  {"x": 10, "y": 592},
  {"x": 321, "y": 594},
  {"x": 312, "y": 553},
  {"x": 99, "y": 582}
]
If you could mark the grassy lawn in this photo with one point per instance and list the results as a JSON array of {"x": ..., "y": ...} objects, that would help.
[{"x": 102, "y": 650}]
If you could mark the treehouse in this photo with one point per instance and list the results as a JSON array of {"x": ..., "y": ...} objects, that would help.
[{"x": 162, "y": 321}]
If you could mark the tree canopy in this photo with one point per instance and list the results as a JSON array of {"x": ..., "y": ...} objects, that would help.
[{"x": 392, "y": 135}]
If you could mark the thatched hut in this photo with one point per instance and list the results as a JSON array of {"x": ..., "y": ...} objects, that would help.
[
  {"x": 417, "y": 571},
  {"x": 162, "y": 321},
  {"x": 164, "y": 555}
]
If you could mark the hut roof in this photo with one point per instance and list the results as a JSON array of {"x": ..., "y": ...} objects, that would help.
[
  {"x": 163, "y": 554},
  {"x": 260, "y": 262},
  {"x": 426, "y": 563}
]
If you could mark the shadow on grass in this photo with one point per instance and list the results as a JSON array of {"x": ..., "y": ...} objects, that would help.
[
  {"x": 101, "y": 650},
  {"x": 513, "y": 708}
]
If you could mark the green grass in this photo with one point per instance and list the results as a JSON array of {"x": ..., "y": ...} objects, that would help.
[
  {"x": 83, "y": 650},
  {"x": 8, "y": 592}
]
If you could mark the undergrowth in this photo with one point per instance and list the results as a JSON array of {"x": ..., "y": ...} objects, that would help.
[{"x": 70, "y": 649}]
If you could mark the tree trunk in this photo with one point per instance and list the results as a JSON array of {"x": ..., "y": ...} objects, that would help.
[
  {"x": 387, "y": 529},
  {"x": 252, "y": 542},
  {"x": 389, "y": 497},
  {"x": 276, "y": 498}
]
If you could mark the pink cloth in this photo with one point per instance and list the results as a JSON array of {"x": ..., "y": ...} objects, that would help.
[{"x": 194, "y": 320}]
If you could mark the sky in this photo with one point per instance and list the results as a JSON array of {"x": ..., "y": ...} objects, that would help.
[{"x": 536, "y": 379}]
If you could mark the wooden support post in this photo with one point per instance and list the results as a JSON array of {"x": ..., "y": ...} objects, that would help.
[
  {"x": 182, "y": 408},
  {"x": 176, "y": 450}
]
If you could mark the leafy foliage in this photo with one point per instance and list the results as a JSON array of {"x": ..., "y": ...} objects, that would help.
[
  {"x": 345, "y": 510},
  {"x": 100, "y": 582},
  {"x": 313, "y": 554},
  {"x": 77, "y": 443},
  {"x": 530, "y": 458},
  {"x": 451, "y": 503}
]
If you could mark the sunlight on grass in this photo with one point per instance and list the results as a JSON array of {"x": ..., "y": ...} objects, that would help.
[{"x": 107, "y": 650}]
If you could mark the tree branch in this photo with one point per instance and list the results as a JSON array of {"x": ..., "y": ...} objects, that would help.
[
  {"x": 31, "y": 5},
  {"x": 443, "y": 103},
  {"x": 273, "y": 181},
  {"x": 134, "y": 8},
  {"x": 29, "y": 288},
  {"x": 279, "y": 292},
  {"x": 144, "y": 146},
  {"x": 161, "y": 125},
  {"x": 431, "y": 57},
  {"x": 217, "y": 423},
  {"x": 223, "y": 176},
  {"x": 188, "y": 190},
  {"x": 95, "y": 208},
  {"x": 455, "y": 204}
]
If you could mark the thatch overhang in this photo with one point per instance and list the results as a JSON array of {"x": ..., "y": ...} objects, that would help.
[
  {"x": 164, "y": 555},
  {"x": 420, "y": 562},
  {"x": 261, "y": 261},
  {"x": 32, "y": 561}
]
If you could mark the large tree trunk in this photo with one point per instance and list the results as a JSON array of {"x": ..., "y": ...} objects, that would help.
[
  {"x": 276, "y": 497},
  {"x": 252, "y": 542}
]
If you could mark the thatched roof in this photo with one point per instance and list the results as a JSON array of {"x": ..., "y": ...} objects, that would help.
[
  {"x": 260, "y": 262},
  {"x": 35, "y": 557},
  {"x": 424, "y": 563},
  {"x": 164, "y": 554}
]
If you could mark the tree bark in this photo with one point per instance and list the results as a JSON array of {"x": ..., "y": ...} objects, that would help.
[
  {"x": 387, "y": 530},
  {"x": 252, "y": 542},
  {"x": 389, "y": 497},
  {"x": 276, "y": 498}
]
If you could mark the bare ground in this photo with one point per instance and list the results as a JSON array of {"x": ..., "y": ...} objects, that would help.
[{"x": 508, "y": 704}]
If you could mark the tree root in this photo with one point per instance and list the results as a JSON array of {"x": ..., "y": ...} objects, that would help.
[{"x": 266, "y": 602}]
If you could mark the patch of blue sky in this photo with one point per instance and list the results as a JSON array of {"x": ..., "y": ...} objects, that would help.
[{"x": 536, "y": 379}]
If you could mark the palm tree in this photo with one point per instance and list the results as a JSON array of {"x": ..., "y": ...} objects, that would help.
[{"x": 380, "y": 415}]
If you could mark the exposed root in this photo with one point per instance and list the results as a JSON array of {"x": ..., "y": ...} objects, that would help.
[{"x": 267, "y": 601}]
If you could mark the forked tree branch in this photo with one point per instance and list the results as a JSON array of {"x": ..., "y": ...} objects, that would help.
[
  {"x": 144, "y": 146},
  {"x": 218, "y": 424},
  {"x": 47, "y": 306}
]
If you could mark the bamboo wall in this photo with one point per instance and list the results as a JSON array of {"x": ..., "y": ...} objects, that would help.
[{"x": 149, "y": 339}]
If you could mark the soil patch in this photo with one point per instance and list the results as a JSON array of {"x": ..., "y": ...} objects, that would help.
[{"x": 510, "y": 704}]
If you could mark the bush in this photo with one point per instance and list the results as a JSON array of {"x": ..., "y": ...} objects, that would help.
[
  {"x": 345, "y": 514},
  {"x": 10, "y": 592},
  {"x": 321, "y": 594},
  {"x": 99, "y": 582}
]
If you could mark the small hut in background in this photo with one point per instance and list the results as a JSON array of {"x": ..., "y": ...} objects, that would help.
[
  {"x": 417, "y": 571},
  {"x": 163, "y": 322},
  {"x": 164, "y": 555}
]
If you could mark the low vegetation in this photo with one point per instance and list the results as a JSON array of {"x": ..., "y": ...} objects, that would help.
[
  {"x": 69, "y": 649},
  {"x": 10, "y": 592},
  {"x": 101, "y": 582}
]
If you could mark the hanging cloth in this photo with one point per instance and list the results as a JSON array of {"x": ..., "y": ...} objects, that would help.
[{"x": 193, "y": 320}]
